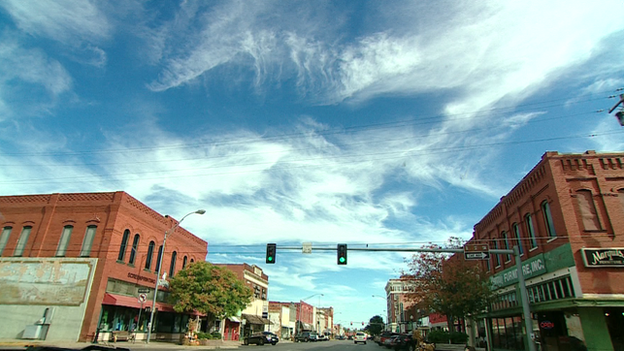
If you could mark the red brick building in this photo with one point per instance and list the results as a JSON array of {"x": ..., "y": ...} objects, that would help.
[
  {"x": 254, "y": 318},
  {"x": 110, "y": 239},
  {"x": 567, "y": 218}
]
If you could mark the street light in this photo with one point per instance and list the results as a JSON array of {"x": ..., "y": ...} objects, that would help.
[
  {"x": 160, "y": 264},
  {"x": 299, "y": 313}
]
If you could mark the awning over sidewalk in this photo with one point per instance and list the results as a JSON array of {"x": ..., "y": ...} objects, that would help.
[
  {"x": 133, "y": 302},
  {"x": 251, "y": 319}
]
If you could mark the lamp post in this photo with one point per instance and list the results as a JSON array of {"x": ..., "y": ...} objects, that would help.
[
  {"x": 298, "y": 331},
  {"x": 160, "y": 264}
]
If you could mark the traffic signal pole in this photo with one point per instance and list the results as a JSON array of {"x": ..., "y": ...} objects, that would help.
[{"x": 524, "y": 296}]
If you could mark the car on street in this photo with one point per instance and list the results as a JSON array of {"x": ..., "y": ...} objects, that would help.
[
  {"x": 306, "y": 337},
  {"x": 261, "y": 339},
  {"x": 359, "y": 337}
]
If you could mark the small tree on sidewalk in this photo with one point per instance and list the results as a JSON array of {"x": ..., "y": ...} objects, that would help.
[
  {"x": 208, "y": 289},
  {"x": 448, "y": 284}
]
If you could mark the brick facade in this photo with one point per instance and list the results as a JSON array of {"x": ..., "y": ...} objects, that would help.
[
  {"x": 569, "y": 202},
  {"x": 111, "y": 214}
]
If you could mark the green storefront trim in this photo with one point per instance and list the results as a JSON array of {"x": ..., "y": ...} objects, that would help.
[
  {"x": 553, "y": 306},
  {"x": 554, "y": 260}
]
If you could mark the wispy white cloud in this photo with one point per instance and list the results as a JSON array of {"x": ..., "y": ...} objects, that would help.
[{"x": 67, "y": 21}]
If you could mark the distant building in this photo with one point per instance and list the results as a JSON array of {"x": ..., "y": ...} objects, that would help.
[
  {"x": 566, "y": 216},
  {"x": 75, "y": 264},
  {"x": 398, "y": 302},
  {"x": 283, "y": 317},
  {"x": 255, "y": 317}
]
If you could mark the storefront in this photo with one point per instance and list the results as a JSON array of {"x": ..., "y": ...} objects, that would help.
[{"x": 253, "y": 324}]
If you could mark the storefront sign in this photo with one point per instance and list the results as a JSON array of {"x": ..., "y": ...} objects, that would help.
[
  {"x": 140, "y": 277},
  {"x": 547, "y": 325},
  {"x": 530, "y": 268},
  {"x": 607, "y": 257}
]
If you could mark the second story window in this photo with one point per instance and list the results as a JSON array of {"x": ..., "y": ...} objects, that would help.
[
  {"x": 150, "y": 254},
  {"x": 174, "y": 257},
  {"x": 87, "y": 243},
  {"x": 531, "y": 231},
  {"x": 135, "y": 247},
  {"x": 64, "y": 241},
  {"x": 21, "y": 242},
  {"x": 516, "y": 230},
  {"x": 496, "y": 257},
  {"x": 4, "y": 238},
  {"x": 159, "y": 258},
  {"x": 587, "y": 209},
  {"x": 550, "y": 225},
  {"x": 122, "y": 247},
  {"x": 184, "y": 262},
  {"x": 505, "y": 238}
]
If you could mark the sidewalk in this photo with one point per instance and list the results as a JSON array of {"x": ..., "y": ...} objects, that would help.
[{"x": 23, "y": 344}]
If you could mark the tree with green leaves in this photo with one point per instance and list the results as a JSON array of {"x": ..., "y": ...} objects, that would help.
[
  {"x": 449, "y": 284},
  {"x": 208, "y": 289},
  {"x": 375, "y": 326}
]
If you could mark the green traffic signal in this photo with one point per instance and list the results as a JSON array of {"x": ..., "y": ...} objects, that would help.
[
  {"x": 342, "y": 254},
  {"x": 270, "y": 253}
]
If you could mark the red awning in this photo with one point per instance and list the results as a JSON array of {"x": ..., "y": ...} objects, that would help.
[{"x": 130, "y": 301}]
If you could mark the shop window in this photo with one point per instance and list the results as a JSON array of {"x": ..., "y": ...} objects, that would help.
[
  {"x": 516, "y": 230},
  {"x": 124, "y": 244},
  {"x": 64, "y": 241},
  {"x": 4, "y": 238},
  {"x": 159, "y": 258},
  {"x": 528, "y": 219},
  {"x": 135, "y": 246},
  {"x": 184, "y": 262},
  {"x": 174, "y": 257},
  {"x": 150, "y": 253},
  {"x": 587, "y": 209},
  {"x": 87, "y": 243},
  {"x": 550, "y": 225},
  {"x": 21, "y": 242},
  {"x": 557, "y": 289}
]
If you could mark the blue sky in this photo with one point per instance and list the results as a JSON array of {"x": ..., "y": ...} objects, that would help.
[{"x": 360, "y": 122}]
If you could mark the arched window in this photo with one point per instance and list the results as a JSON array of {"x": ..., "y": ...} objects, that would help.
[
  {"x": 4, "y": 238},
  {"x": 184, "y": 262},
  {"x": 64, "y": 241},
  {"x": 135, "y": 246},
  {"x": 159, "y": 258},
  {"x": 21, "y": 242},
  {"x": 516, "y": 229},
  {"x": 505, "y": 238},
  {"x": 496, "y": 257},
  {"x": 530, "y": 230},
  {"x": 587, "y": 209},
  {"x": 150, "y": 254},
  {"x": 122, "y": 247},
  {"x": 174, "y": 256},
  {"x": 192, "y": 260},
  {"x": 87, "y": 243},
  {"x": 550, "y": 225}
]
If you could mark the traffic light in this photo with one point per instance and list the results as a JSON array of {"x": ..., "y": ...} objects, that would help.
[
  {"x": 342, "y": 254},
  {"x": 270, "y": 253}
]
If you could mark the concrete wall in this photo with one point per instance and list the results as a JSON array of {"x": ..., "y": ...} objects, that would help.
[{"x": 30, "y": 285}]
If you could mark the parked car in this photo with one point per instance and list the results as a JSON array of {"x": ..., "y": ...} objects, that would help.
[
  {"x": 359, "y": 337},
  {"x": 384, "y": 336},
  {"x": 306, "y": 337},
  {"x": 260, "y": 339},
  {"x": 272, "y": 336},
  {"x": 341, "y": 337},
  {"x": 322, "y": 337}
]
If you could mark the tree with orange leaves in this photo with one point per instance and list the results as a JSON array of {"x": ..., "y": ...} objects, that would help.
[{"x": 448, "y": 284}]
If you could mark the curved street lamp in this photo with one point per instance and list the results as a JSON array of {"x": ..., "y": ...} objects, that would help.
[
  {"x": 160, "y": 264},
  {"x": 298, "y": 331}
]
